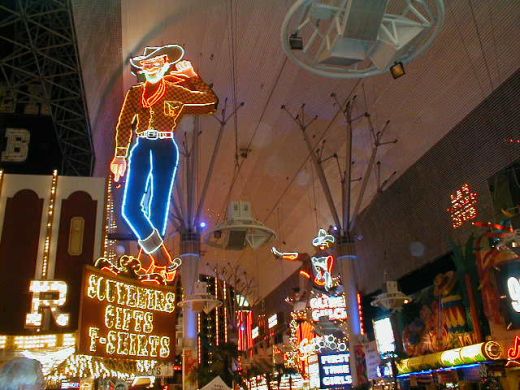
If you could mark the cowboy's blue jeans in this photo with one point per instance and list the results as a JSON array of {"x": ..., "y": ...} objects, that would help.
[{"x": 152, "y": 166}]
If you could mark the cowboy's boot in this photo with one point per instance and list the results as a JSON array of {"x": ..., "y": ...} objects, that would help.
[
  {"x": 162, "y": 259},
  {"x": 164, "y": 264},
  {"x": 171, "y": 269},
  {"x": 162, "y": 256},
  {"x": 105, "y": 265},
  {"x": 139, "y": 266}
]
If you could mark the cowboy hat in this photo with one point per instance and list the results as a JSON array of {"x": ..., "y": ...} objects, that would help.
[
  {"x": 323, "y": 238},
  {"x": 174, "y": 53}
]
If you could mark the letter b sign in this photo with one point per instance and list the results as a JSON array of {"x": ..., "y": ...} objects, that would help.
[{"x": 17, "y": 145}]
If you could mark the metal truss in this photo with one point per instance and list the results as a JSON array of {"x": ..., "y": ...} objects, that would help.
[
  {"x": 357, "y": 38},
  {"x": 40, "y": 67}
]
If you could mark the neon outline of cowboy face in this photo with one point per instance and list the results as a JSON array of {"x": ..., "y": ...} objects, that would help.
[{"x": 155, "y": 68}]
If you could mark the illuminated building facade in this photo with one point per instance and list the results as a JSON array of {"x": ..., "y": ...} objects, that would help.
[
  {"x": 213, "y": 328},
  {"x": 53, "y": 226}
]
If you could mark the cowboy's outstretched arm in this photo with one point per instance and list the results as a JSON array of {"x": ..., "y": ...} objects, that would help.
[
  {"x": 124, "y": 134},
  {"x": 124, "y": 123},
  {"x": 291, "y": 256}
]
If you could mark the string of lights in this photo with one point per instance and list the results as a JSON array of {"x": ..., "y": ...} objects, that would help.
[
  {"x": 109, "y": 248},
  {"x": 225, "y": 314},
  {"x": 217, "y": 334},
  {"x": 50, "y": 219},
  {"x": 83, "y": 366}
]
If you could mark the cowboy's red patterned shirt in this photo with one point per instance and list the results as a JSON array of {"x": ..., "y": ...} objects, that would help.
[{"x": 191, "y": 96}]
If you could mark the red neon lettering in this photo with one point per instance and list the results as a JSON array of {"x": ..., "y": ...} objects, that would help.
[{"x": 514, "y": 352}]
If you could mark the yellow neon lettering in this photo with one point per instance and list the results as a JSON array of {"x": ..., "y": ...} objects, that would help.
[
  {"x": 109, "y": 316},
  {"x": 110, "y": 293},
  {"x": 127, "y": 317},
  {"x": 131, "y": 295},
  {"x": 138, "y": 316},
  {"x": 99, "y": 289},
  {"x": 151, "y": 301},
  {"x": 111, "y": 342},
  {"x": 119, "y": 318},
  {"x": 91, "y": 290},
  {"x": 142, "y": 342},
  {"x": 133, "y": 345},
  {"x": 121, "y": 293},
  {"x": 122, "y": 343},
  {"x": 159, "y": 299},
  {"x": 154, "y": 344},
  {"x": 165, "y": 347},
  {"x": 141, "y": 298},
  {"x": 148, "y": 322},
  {"x": 170, "y": 302},
  {"x": 94, "y": 335}
]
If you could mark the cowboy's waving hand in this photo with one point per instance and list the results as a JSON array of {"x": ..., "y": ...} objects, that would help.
[{"x": 185, "y": 68}]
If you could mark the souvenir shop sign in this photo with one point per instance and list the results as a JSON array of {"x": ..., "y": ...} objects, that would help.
[
  {"x": 335, "y": 370},
  {"x": 122, "y": 318},
  {"x": 332, "y": 307}
]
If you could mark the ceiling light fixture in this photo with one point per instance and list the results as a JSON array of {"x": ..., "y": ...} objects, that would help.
[
  {"x": 296, "y": 42},
  {"x": 397, "y": 70}
]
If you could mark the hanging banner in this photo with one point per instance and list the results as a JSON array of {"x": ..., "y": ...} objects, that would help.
[
  {"x": 373, "y": 360},
  {"x": 122, "y": 318}
]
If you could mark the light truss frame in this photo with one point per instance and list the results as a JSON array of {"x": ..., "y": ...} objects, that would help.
[
  {"x": 319, "y": 24},
  {"x": 43, "y": 69}
]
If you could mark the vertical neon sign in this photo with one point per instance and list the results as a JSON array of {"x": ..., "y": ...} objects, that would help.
[{"x": 154, "y": 109}]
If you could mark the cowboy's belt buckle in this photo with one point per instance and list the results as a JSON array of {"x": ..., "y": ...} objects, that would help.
[
  {"x": 152, "y": 134},
  {"x": 172, "y": 107}
]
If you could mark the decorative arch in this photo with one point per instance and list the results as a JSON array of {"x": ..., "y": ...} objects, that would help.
[
  {"x": 75, "y": 248},
  {"x": 18, "y": 256}
]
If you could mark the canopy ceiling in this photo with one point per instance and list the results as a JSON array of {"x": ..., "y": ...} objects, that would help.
[{"x": 477, "y": 49}]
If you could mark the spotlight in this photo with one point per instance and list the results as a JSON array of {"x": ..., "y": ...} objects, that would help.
[
  {"x": 202, "y": 225},
  {"x": 397, "y": 70},
  {"x": 296, "y": 42}
]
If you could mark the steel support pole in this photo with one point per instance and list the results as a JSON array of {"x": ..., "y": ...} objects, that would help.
[
  {"x": 346, "y": 255},
  {"x": 322, "y": 178},
  {"x": 190, "y": 256},
  {"x": 347, "y": 177}
]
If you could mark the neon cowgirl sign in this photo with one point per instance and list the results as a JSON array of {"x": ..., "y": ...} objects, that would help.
[
  {"x": 155, "y": 108},
  {"x": 320, "y": 265}
]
